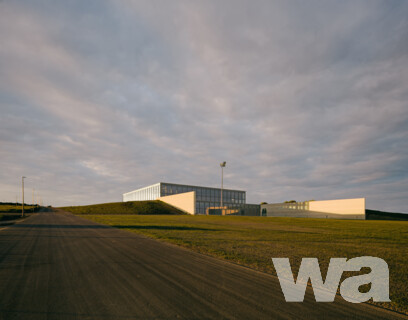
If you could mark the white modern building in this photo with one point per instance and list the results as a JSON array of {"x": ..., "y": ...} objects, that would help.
[
  {"x": 191, "y": 199},
  {"x": 206, "y": 200}
]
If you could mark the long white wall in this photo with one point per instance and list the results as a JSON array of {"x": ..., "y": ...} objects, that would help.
[
  {"x": 183, "y": 201},
  {"x": 343, "y": 206},
  {"x": 335, "y": 209}
]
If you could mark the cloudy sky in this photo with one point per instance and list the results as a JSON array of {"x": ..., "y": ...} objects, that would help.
[{"x": 303, "y": 99}]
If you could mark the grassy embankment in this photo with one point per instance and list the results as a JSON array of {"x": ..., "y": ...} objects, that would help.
[
  {"x": 253, "y": 241},
  {"x": 9, "y": 211},
  {"x": 132, "y": 207}
]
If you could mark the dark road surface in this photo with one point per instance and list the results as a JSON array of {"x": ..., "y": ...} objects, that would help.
[{"x": 59, "y": 266}]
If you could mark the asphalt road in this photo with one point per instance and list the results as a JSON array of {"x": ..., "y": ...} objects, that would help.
[{"x": 59, "y": 266}]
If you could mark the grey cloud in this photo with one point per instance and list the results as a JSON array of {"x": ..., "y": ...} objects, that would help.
[{"x": 302, "y": 99}]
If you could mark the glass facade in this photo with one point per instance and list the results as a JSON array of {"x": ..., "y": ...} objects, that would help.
[
  {"x": 148, "y": 193},
  {"x": 236, "y": 210},
  {"x": 205, "y": 197}
]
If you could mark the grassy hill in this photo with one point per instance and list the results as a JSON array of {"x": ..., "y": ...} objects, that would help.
[
  {"x": 8, "y": 207},
  {"x": 11, "y": 211},
  {"x": 382, "y": 215},
  {"x": 154, "y": 207}
]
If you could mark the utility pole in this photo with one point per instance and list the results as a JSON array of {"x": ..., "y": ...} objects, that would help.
[
  {"x": 222, "y": 164},
  {"x": 22, "y": 206}
]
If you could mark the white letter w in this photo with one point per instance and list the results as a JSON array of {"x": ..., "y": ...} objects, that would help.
[{"x": 309, "y": 269}]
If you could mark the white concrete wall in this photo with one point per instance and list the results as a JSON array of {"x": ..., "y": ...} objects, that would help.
[
  {"x": 335, "y": 209},
  {"x": 271, "y": 212},
  {"x": 343, "y": 206},
  {"x": 183, "y": 201}
]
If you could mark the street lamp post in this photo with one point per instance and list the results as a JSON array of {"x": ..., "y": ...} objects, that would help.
[
  {"x": 222, "y": 164},
  {"x": 22, "y": 207}
]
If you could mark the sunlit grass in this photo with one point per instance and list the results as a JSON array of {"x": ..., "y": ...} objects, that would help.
[
  {"x": 13, "y": 212},
  {"x": 7, "y": 208}
]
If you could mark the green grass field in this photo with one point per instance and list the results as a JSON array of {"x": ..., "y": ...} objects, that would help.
[
  {"x": 253, "y": 241},
  {"x": 154, "y": 207},
  {"x": 12, "y": 212}
]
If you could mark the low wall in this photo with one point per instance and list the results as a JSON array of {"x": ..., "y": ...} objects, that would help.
[
  {"x": 342, "y": 206},
  {"x": 183, "y": 201},
  {"x": 235, "y": 210},
  {"x": 334, "y": 209}
]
